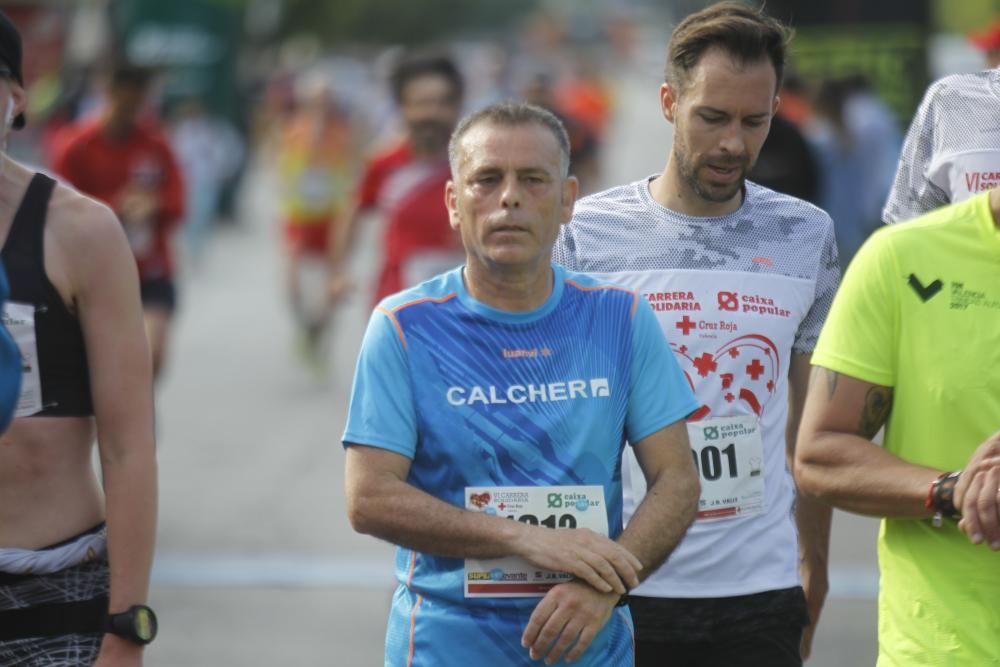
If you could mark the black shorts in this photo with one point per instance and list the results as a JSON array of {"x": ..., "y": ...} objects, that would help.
[
  {"x": 158, "y": 293},
  {"x": 742, "y": 631}
]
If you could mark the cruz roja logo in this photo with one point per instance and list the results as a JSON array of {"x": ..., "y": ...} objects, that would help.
[{"x": 529, "y": 393}]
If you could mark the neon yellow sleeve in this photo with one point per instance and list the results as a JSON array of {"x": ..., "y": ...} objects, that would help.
[{"x": 860, "y": 334}]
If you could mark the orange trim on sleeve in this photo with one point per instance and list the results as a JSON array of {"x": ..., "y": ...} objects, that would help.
[
  {"x": 413, "y": 625},
  {"x": 635, "y": 295},
  {"x": 392, "y": 314},
  {"x": 446, "y": 297},
  {"x": 395, "y": 323}
]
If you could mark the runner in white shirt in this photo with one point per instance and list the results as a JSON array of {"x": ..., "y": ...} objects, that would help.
[
  {"x": 952, "y": 150},
  {"x": 741, "y": 279}
]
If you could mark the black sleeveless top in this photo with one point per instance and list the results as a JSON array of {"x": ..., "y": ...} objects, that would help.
[{"x": 62, "y": 353}]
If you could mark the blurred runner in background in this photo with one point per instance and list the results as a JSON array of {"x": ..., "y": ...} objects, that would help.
[
  {"x": 988, "y": 41},
  {"x": 209, "y": 150},
  {"x": 584, "y": 147},
  {"x": 786, "y": 163},
  {"x": 123, "y": 158},
  {"x": 315, "y": 165},
  {"x": 405, "y": 184}
]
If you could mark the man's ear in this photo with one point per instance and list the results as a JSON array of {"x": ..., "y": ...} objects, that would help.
[
  {"x": 451, "y": 202},
  {"x": 668, "y": 101},
  {"x": 570, "y": 191}
]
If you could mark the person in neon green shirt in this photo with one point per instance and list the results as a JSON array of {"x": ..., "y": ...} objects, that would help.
[{"x": 912, "y": 342}]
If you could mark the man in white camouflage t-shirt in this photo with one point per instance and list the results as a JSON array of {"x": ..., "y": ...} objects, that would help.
[
  {"x": 741, "y": 279},
  {"x": 952, "y": 150}
]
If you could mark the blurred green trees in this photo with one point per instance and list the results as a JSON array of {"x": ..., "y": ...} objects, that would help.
[{"x": 405, "y": 22}]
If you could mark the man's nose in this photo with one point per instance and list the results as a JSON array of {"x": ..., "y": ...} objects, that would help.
[
  {"x": 510, "y": 193},
  {"x": 732, "y": 140}
]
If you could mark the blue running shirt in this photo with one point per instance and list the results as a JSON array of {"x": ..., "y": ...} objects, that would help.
[
  {"x": 10, "y": 363},
  {"x": 481, "y": 397}
]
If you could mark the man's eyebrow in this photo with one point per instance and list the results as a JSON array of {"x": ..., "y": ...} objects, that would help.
[
  {"x": 704, "y": 108},
  {"x": 707, "y": 109},
  {"x": 521, "y": 171},
  {"x": 533, "y": 170},
  {"x": 485, "y": 169}
]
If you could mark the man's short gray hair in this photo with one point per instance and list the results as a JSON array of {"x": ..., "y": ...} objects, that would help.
[{"x": 511, "y": 114}]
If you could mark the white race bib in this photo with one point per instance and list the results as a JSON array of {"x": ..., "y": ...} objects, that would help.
[
  {"x": 550, "y": 506},
  {"x": 729, "y": 455},
  {"x": 19, "y": 318},
  {"x": 730, "y": 460},
  {"x": 318, "y": 188},
  {"x": 140, "y": 237}
]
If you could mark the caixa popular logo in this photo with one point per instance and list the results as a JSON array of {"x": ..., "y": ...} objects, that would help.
[{"x": 516, "y": 394}]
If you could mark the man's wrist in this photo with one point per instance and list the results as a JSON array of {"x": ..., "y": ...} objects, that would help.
[
  {"x": 513, "y": 536},
  {"x": 941, "y": 497}
]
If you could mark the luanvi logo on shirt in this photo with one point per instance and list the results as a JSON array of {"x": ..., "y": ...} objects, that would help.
[
  {"x": 530, "y": 393},
  {"x": 925, "y": 293}
]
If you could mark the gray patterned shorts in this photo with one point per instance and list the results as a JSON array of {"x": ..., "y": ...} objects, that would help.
[{"x": 82, "y": 582}]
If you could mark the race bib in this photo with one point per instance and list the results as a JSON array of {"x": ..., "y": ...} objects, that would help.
[
  {"x": 140, "y": 237},
  {"x": 19, "y": 318},
  {"x": 555, "y": 507},
  {"x": 317, "y": 188},
  {"x": 729, "y": 456}
]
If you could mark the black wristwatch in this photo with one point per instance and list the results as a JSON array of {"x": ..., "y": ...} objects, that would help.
[{"x": 137, "y": 625}]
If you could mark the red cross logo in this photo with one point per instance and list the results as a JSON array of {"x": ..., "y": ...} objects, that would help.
[
  {"x": 754, "y": 369},
  {"x": 502, "y": 506},
  {"x": 706, "y": 364},
  {"x": 686, "y": 325}
]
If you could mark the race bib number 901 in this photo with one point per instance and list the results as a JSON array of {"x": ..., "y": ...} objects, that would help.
[
  {"x": 729, "y": 456},
  {"x": 549, "y": 506}
]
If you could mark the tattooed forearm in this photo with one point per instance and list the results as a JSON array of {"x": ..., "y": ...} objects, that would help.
[{"x": 878, "y": 404}]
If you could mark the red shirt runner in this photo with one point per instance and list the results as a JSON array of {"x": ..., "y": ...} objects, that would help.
[
  {"x": 112, "y": 170},
  {"x": 410, "y": 194}
]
